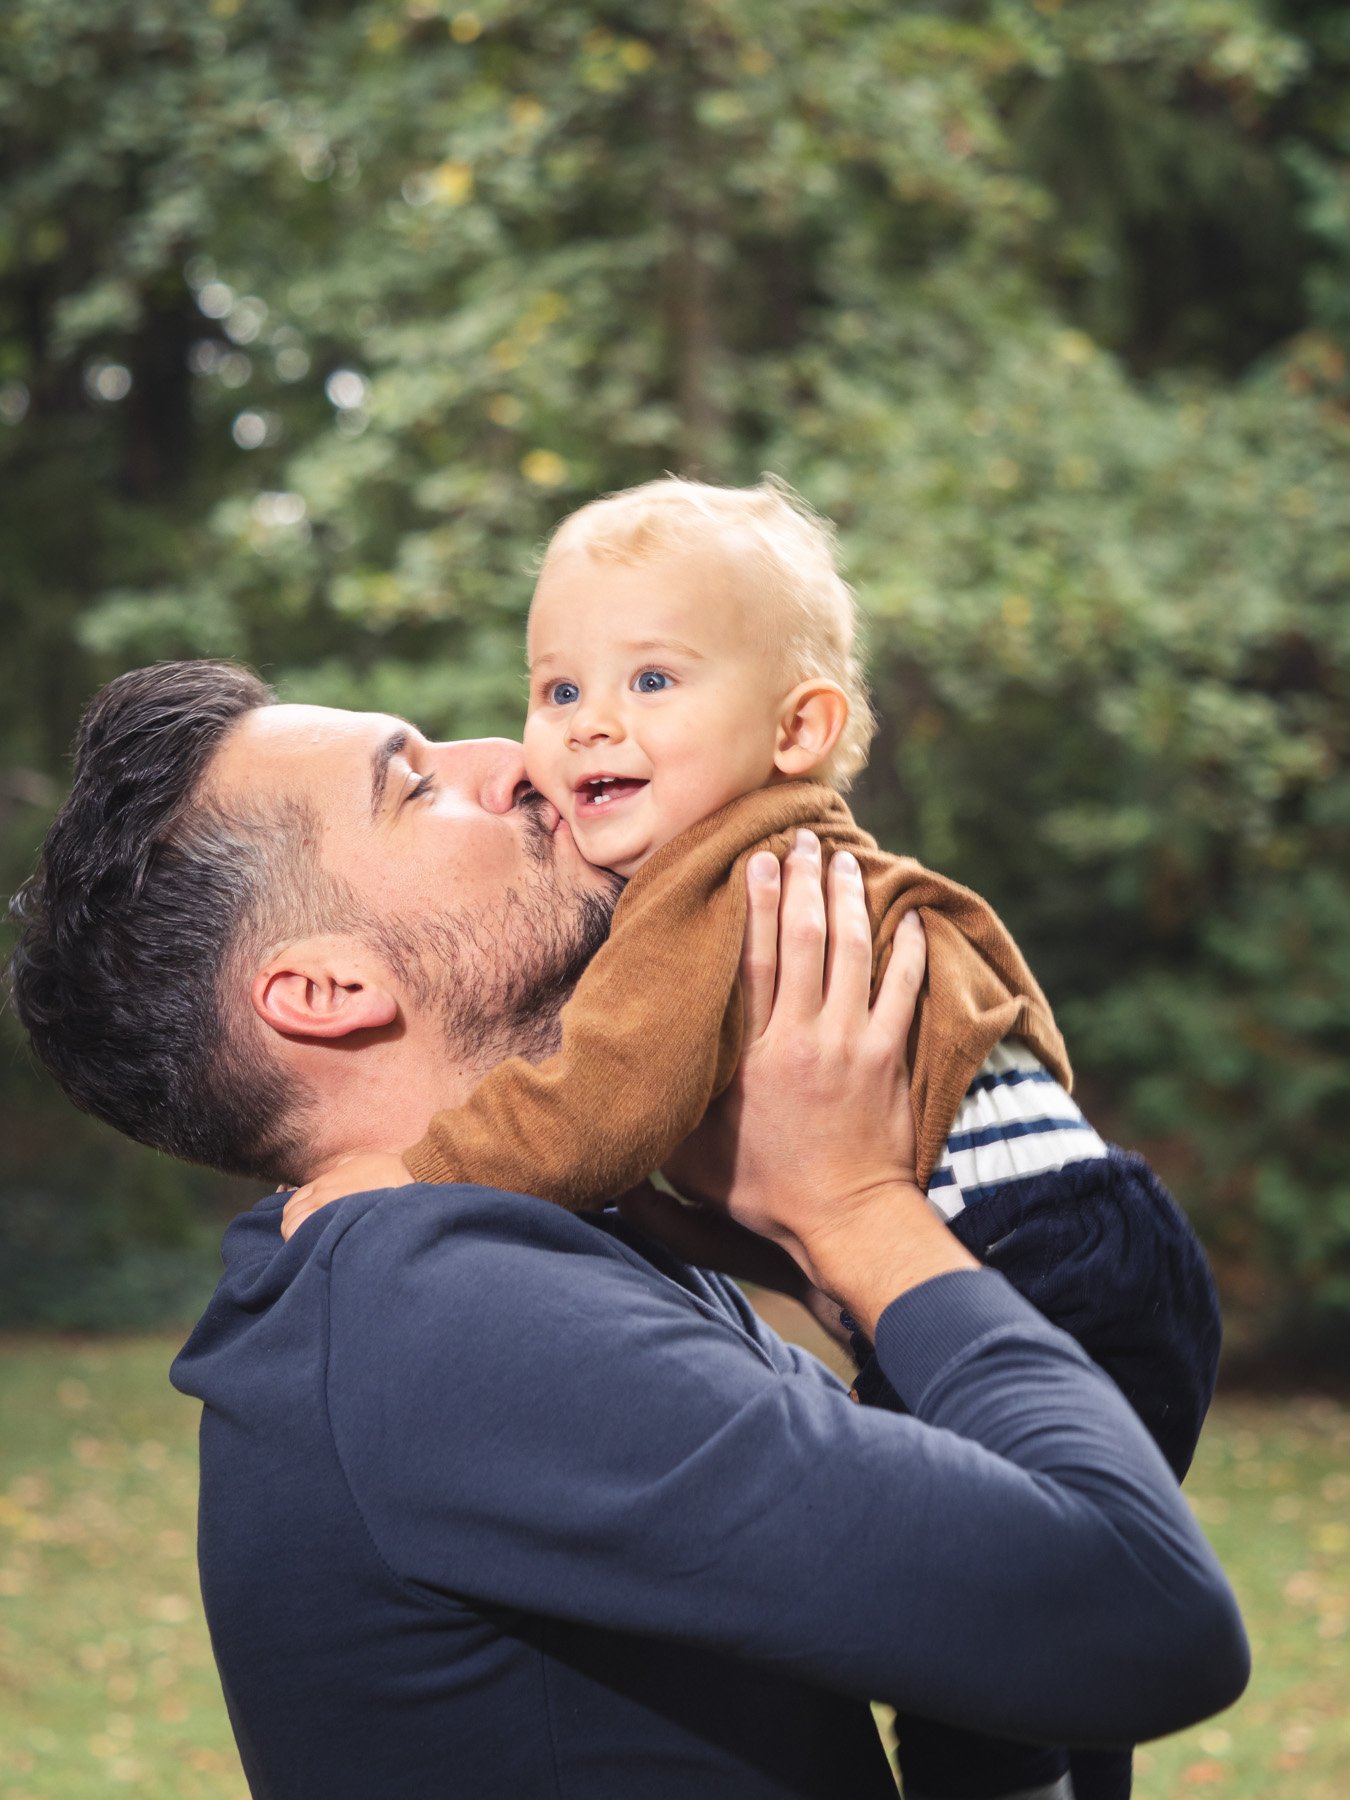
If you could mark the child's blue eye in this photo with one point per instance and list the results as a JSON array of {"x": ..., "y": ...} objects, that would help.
[
  {"x": 651, "y": 681},
  {"x": 564, "y": 693}
]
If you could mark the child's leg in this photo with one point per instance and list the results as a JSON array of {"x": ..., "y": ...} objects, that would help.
[
  {"x": 938, "y": 1762},
  {"x": 1100, "y": 1774},
  {"x": 963, "y": 1767},
  {"x": 1103, "y": 1250}
]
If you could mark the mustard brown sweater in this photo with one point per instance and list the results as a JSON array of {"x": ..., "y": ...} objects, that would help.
[{"x": 652, "y": 1033}]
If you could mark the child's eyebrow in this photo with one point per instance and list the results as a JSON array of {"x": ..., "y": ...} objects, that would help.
[
  {"x": 645, "y": 646},
  {"x": 632, "y": 646}
]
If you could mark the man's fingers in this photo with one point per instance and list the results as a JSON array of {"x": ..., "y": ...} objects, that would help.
[
  {"x": 759, "y": 954},
  {"x": 893, "y": 1013},
  {"x": 848, "y": 965},
  {"x": 801, "y": 934}
]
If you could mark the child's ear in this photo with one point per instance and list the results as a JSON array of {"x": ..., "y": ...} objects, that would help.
[{"x": 812, "y": 717}]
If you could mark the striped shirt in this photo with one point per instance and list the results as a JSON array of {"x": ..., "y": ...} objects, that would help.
[{"x": 1016, "y": 1120}]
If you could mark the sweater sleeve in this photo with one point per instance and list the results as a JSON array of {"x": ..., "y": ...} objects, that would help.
[
  {"x": 651, "y": 1035},
  {"x": 576, "y": 1437},
  {"x": 653, "y": 1032}
]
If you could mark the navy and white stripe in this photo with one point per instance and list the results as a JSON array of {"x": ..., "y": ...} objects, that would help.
[{"x": 1016, "y": 1120}]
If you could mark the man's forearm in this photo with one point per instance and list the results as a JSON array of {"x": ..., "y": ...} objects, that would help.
[
  {"x": 888, "y": 1244},
  {"x": 1090, "y": 1526}
]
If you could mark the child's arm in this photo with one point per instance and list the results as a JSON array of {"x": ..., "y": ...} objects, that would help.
[{"x": 651, "y": 1035}]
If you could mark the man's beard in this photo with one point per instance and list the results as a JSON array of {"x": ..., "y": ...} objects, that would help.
[{"x": 498, "y": 977}]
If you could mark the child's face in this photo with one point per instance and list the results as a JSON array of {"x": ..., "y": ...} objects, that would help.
[{"x": 652, "y": 702}]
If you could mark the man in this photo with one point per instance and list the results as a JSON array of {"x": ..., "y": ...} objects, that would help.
[{"x": 502, "y": 1501}]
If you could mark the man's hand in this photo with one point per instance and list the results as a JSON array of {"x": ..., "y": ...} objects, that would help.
[
  {"x": 362, "y": 1172},
  {"x": 812, "y": 1146}
]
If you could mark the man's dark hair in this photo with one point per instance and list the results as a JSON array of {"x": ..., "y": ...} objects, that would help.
[{"x": 146, "y": 895}]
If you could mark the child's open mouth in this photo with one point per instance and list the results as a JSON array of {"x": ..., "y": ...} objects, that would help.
[{"x": 603, "y": 792}]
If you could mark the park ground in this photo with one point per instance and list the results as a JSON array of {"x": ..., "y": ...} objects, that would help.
[{"x": 106, "y": 1678}]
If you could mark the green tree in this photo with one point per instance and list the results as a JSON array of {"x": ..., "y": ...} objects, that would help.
[{"x": 315, "y": 318}]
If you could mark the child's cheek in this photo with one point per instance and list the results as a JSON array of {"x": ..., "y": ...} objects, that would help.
[{"x": 542, "y": 749}]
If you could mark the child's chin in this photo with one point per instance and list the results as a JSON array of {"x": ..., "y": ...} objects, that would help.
[{"x": 610, "y": 851}]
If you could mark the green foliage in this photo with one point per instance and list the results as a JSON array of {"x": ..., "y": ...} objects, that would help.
[
  {"x": 1113, "y": 632},
  {"x": 315, "y": 318}
]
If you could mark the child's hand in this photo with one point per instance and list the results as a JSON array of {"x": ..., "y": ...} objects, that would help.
[{"x": 360, "y": 1173}]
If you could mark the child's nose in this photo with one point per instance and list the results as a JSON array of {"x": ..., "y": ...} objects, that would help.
[{"x": 595, "y": 722}]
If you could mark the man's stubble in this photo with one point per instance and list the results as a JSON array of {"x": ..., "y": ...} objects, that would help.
[{"x": 499, "y": 976}]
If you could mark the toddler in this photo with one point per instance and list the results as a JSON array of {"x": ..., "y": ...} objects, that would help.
[{"x": 695, "y": 696}]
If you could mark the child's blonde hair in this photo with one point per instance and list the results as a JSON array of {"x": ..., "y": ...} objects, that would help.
[{"x": 814, "y": 622}]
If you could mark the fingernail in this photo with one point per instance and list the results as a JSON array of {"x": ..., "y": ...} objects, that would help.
[
  {"x": 764, "y": 866},
  {"x": 846, "y": 862},
  {"x": 808, "y": 843}
]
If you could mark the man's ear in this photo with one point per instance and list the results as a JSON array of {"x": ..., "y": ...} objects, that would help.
[
  {"x": 323, "y": 987},
  {"x": 812, "y": 716}
]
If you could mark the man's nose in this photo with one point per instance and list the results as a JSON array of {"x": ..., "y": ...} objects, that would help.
[{"x": 490, "y": 771}]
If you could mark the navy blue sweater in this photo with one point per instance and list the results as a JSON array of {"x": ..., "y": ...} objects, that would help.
[{"x": 501, "y": 1501}]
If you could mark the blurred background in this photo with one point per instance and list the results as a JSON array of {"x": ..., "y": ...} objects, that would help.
[{"x": 315, "y": 317}]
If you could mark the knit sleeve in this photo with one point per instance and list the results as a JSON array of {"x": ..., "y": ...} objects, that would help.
[{"x": 651, "y": 1035}]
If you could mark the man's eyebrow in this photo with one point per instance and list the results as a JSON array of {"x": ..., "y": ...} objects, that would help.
[{"x": 379, "y": 767}]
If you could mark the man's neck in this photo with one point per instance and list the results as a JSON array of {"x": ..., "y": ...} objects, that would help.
[{"x": 378, "y": 1098}]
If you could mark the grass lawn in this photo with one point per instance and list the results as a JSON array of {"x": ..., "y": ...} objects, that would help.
[
  {"x": 106, "y": 1677},
  {"x": 106, "y": 1680}
]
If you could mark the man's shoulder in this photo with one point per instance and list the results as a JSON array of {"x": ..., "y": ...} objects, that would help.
[
  {"x": 425, "y": 1213},
  {"x": 438, "y": 1277},
  {"x": 362, "y": 1266},
  {"x": 473, "y": 1257},
  {"x": 399, "y": 1227},
  {"x": 497, "y": 1285},
  {"x": 454, "y": 1303}
]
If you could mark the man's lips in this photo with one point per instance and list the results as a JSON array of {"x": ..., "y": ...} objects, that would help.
[{"x": 600, "y": 794}]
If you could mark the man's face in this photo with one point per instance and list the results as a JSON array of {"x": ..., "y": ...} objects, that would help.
[{"x": 471, "y": 885}]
